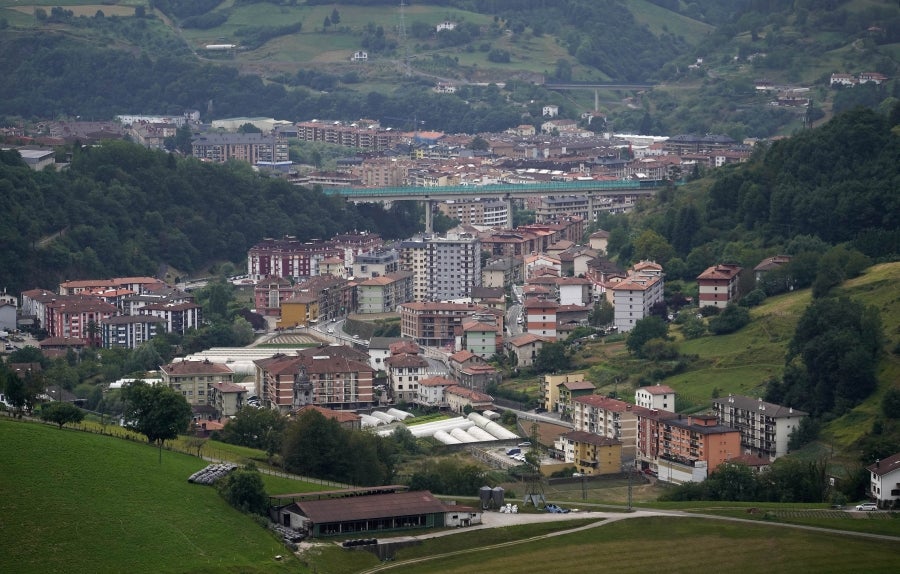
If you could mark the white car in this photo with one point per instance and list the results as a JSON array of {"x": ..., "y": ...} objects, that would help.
[{"x": 867, "y": 506}]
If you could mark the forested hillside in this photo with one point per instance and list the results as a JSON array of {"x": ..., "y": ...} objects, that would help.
[
  {"x": 826, "y": 186},
  {"x": 705, "y": 58},
  {"x": 120, "y": 209}
]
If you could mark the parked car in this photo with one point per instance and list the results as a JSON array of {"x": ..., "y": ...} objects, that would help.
[{"x": 867, "y": 506}]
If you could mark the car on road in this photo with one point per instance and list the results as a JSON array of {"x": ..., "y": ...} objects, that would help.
[
  {"x": 523, "y": 444},
  {"x": 867, "y": 506}
]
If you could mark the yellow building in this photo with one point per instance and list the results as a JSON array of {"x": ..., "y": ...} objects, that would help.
[
  {"x": 298, "y": 311},
  {"x": 590, "y": 453},
  {"x": 550, "y": 388}
]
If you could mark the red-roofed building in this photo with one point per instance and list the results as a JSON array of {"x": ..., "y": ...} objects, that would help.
[
  {"x": 78, "y": 316},
  {"x": 227, "y": 398},
  {"x": 329, "y": 376},
  {"x": 346, "y": 419},
  {"x": 525, "y": 347},
  {"x": 458, "y": 398},
  {"x": 431, "y": 391},
  {"x": 405, "y": 371},
  {"x": 718, "y": 285},
  {"x": 194, "y": 379},
  {"x": 435, "y": 324},
  {"x": 540, "y": 317},
  {"x": 480, "y": 338},
  {"x": 633, "y": 298},
  {"x": 884, "y": 486}
]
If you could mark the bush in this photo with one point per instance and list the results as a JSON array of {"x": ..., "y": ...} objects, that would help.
[
  {"x": 732, "y": 319},
  {"x": 753, "y": 298},
  {"x": 244, "y": 490}
]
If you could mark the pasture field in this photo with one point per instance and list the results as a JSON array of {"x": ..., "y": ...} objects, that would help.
[
  {"x": 75, "y": 501},
  {"x": 679, "y": 543}
]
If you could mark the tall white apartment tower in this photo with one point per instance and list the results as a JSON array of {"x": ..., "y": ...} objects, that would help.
[{"x": 454, "y": 266}]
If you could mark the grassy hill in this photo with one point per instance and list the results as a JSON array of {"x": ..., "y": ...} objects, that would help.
[
  {"x": 741, "y": 362},
  {"x": 73, "y": 501}
]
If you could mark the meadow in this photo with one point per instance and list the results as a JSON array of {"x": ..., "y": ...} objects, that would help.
[
  {"x": 76, "y": 501},
  {"x": 678, "y": 544}
]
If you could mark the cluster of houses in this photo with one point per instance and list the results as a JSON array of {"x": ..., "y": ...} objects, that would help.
[
  {"x": 610, "y": 434},
  {"x": 850, "y": 80}
]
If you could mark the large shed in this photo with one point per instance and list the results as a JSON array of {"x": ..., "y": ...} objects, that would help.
[{"x": 372, "y": 513}]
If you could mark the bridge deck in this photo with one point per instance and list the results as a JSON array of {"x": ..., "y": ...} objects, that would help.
[{"x": 550, "y": 187}]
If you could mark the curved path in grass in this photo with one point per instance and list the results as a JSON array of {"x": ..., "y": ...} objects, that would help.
[{"x": 607, "y": 518}]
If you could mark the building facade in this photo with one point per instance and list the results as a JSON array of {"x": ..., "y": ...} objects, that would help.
[
  {"x": 453, "y": 264},
  {"x": 765, "y": 428},
  {"x": 194, "y": 379},
  {"x": 718, "y": 285}
]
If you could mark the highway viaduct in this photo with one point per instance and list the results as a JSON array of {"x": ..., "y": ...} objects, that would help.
[{"x": 596, "y": 192}]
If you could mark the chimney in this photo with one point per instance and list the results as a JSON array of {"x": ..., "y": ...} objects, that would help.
[{"x": 877, "y": 463}]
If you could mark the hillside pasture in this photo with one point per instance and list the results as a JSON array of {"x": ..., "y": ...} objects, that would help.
[
  {"x": 75, "y": 501},
  {"x": 622, "y": 547}
]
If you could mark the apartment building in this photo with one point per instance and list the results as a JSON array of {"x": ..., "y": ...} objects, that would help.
[
  {"x": 435, "y": 324},
  {"x": 227, "y": 398},
  {"x": 540, "y": 317},
  {"x": 79, "y": 317},
  {"x": 376, "y": 263},
  {"x": 129, "y": 331},
  {"x": 633, "y": 297},
  {"x": 718, "y": 285},
  {"x": 178, "y": 317},
  {"x": 288, "y": 258},
  {"x": 590, "y": 454},
  {"x": 610, "y": 418},
  {"x": 765, "y": 428},
  {"x": 194, "y": 379},
  {"x": 482, "y": 212},
  {"x": 502, "y": 272},
  {"x": 384, "y": 294},
  {"x": 405, "y": 370},
  {"x": 550, "y": 388},
  {"x": 330, "y": 376},
  {"x": 691, "y": 447},
  {"x": 251, "y": 147},
  {"x": 453, "y": 264},
  {"x": 414, "y": 258}
]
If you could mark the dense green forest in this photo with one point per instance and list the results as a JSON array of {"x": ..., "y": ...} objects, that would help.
[
  {"x": 832, "y": 185},
  {"x": 120, "y": 209}
]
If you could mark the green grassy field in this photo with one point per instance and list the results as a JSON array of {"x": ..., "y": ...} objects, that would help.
[
  {"x": 679, "y": 545},
  {"x": 73, "y": 501}
]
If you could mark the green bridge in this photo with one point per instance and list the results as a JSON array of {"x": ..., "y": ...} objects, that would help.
[{"x": 496, "y": 190}]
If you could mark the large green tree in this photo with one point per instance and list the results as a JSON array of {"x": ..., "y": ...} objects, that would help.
[
  {"x": 156, "y": 411},
  {"x": 645, "y": 330},
  {"x": 62, "y": 413}
]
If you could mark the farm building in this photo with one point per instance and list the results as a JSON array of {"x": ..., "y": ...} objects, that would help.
[{"x": 370, "y": 510}]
